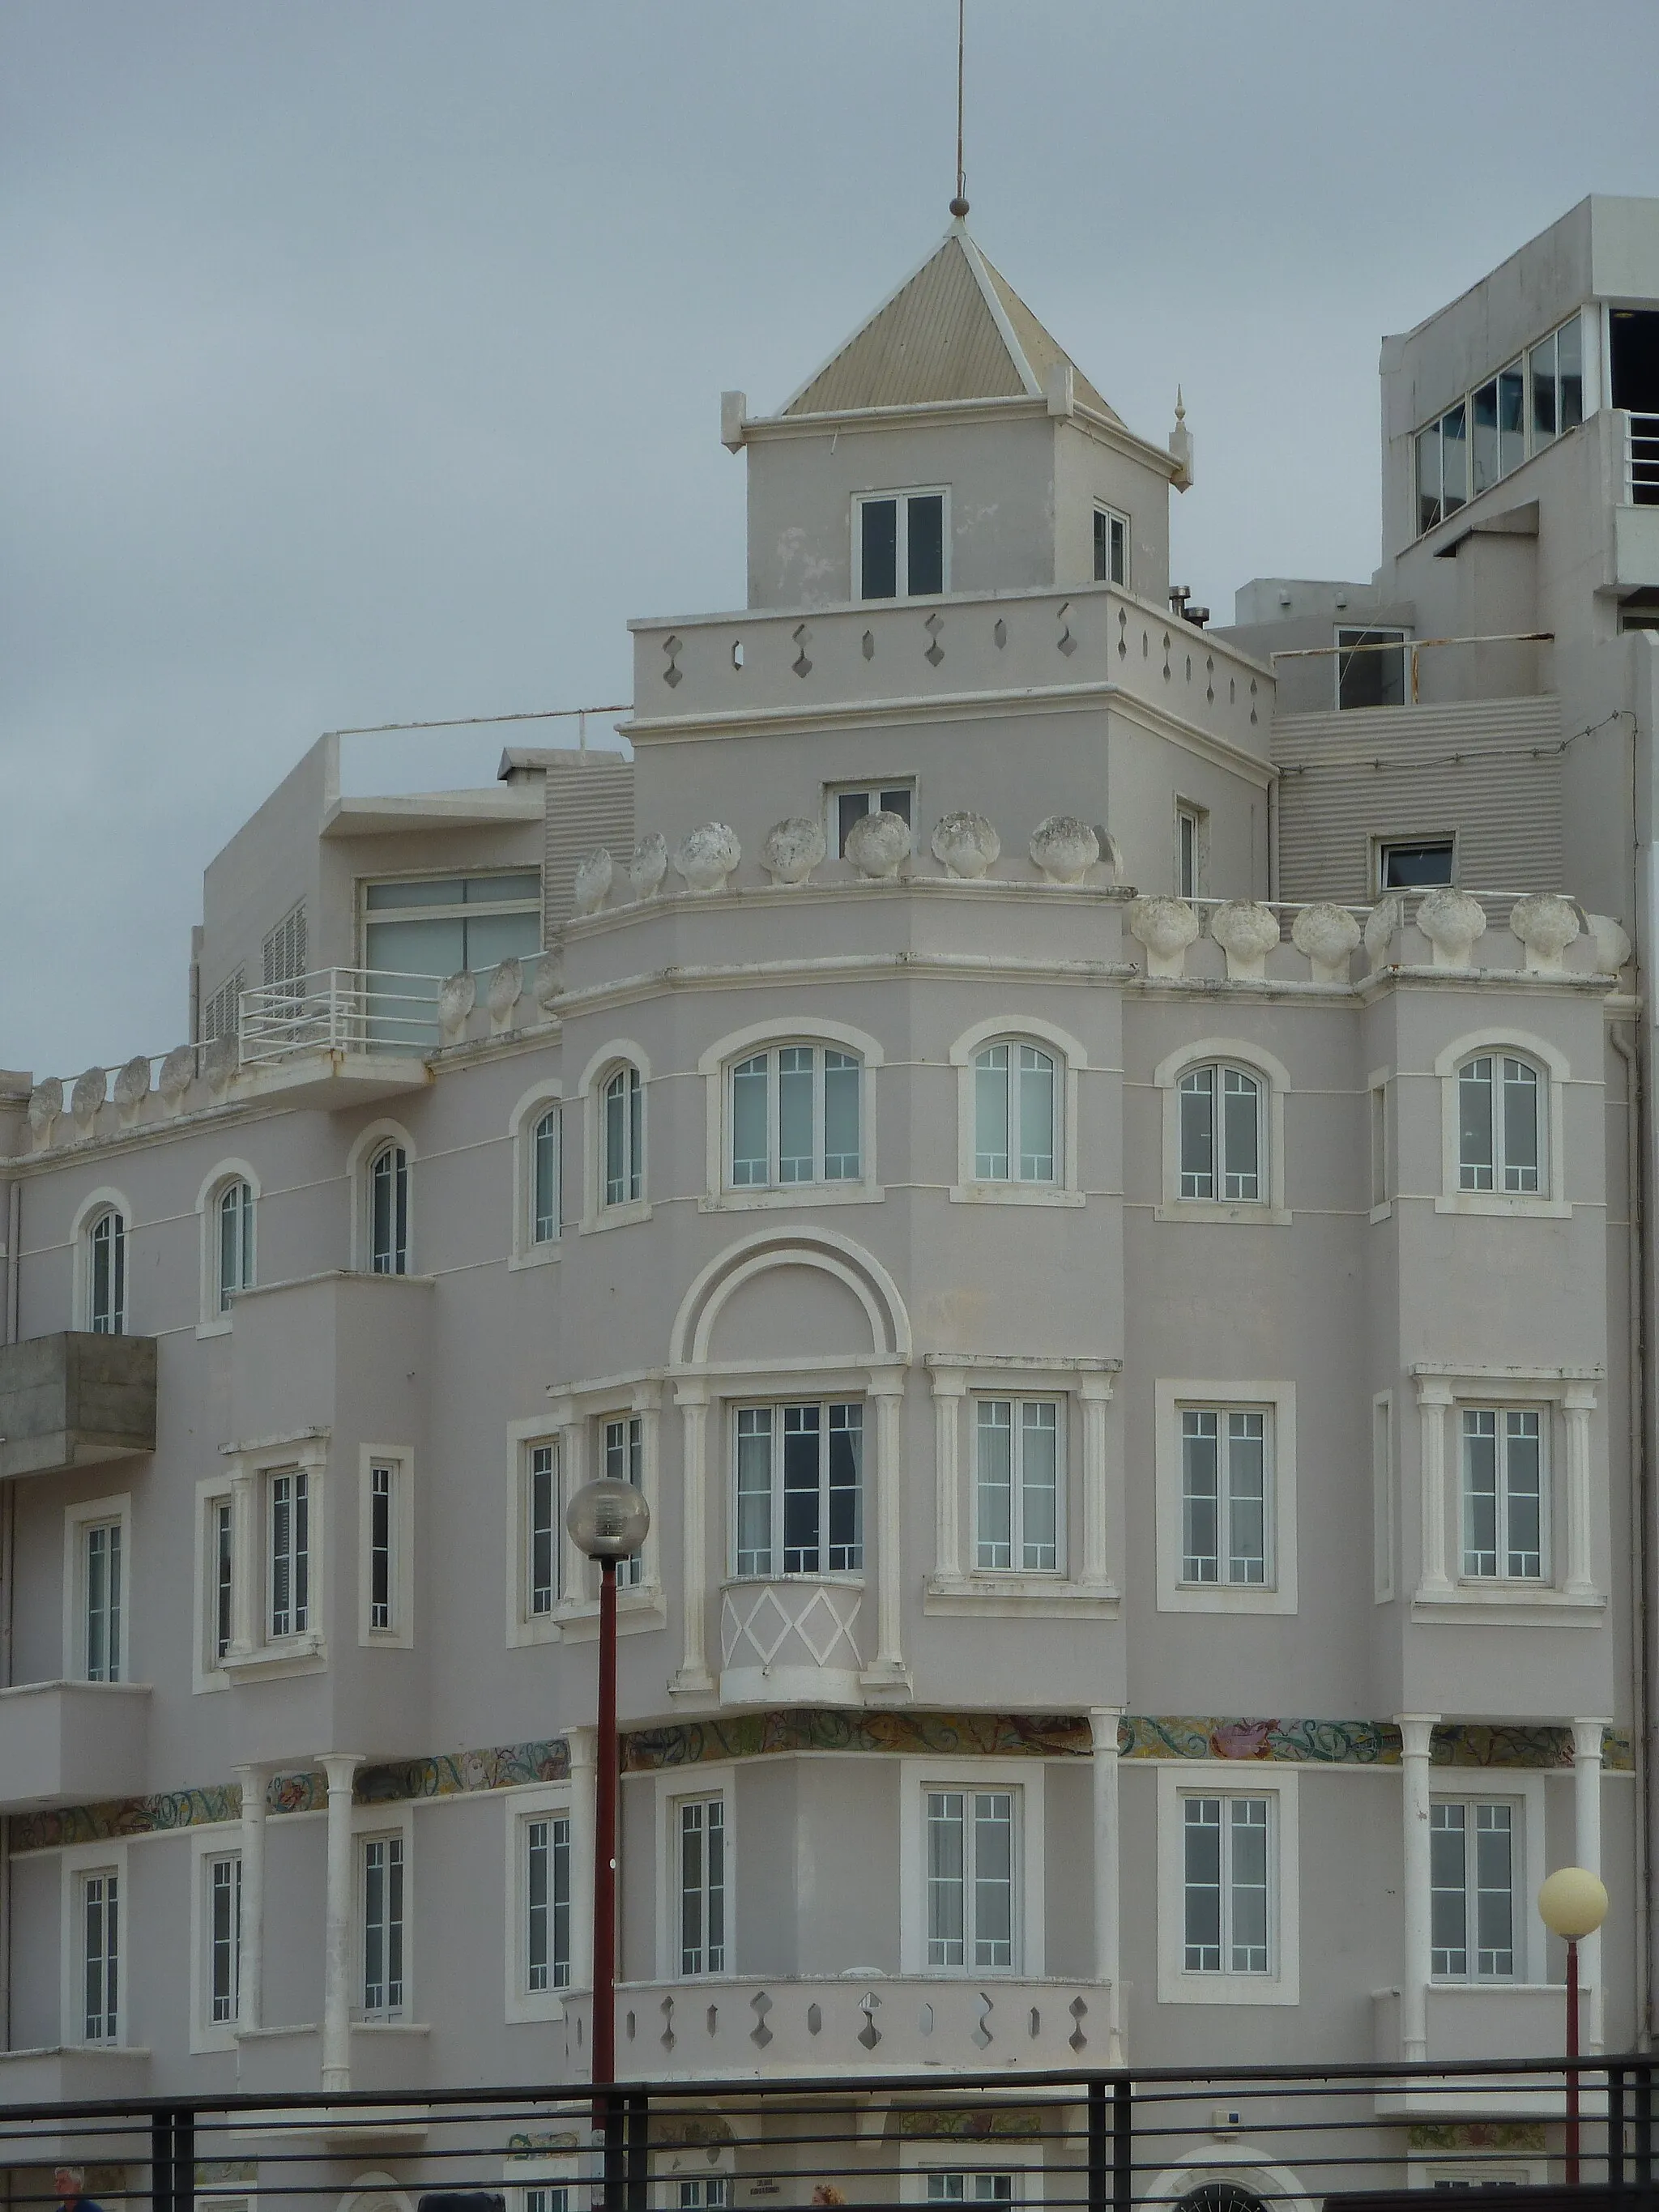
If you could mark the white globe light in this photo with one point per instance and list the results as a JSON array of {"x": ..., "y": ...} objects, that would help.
[
  {"x": 1573, "y": 1903},
  {"x": 608, "y": 1520}
]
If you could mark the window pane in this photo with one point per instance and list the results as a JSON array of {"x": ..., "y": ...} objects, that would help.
[
  {"x": 749, "y": 1116},
  {"x": 945, "y": 1857},
  {"x": 1494, "y": 1895},
  {"x": 1479, "y": 1492},
  {"x": 537, "y": 1927},
  {"x": 379, "y": 1547},
  {"x": 1120, "y": 550},
  {"x": 1038, "y": 1487},
  {"x": 1200, "y": 1498},
  {"x": 1453, "y": 457},
  {"x": 544, "y": 1532},
  {"x": 852, "y": 806},
  {"x": 1524, "y": 1495},
  {"x": 691, "y": 1890},
  {"x": 1520, "y": 1125},
  {"x": 1474, "y": 1126},
  {"x": 1541, "y": 367},
  {"x": 1408, "y": 867},
  {"x": 1428, "y": 478},
  {"x": 1512, "y": 419},
  {"x": 223, "y": 1557},
  {"x": 1449, "y": 1899},
  {"x": 991, "y": 1114},
  {"x": 1103, "y": 546},
  {"x": 754, "y": 1515},
  {"x": 1201, "y": 1878},
  {"x": 878, "y": 566},
  {"x": 1241, "y": 1098},
  {"x": 802, "y": 1467},
  {"x": 927, "y": 546},
  {"x": 795, "y": 1086},
  {"x": 1248, "y": 1829},
  {"x": 1037, "y": 1115},
  {"x": 1198, "y": 1133},
  {"x": 1570, "y": 373},
  {"x": 616, "y": 1139},
  {"x": 993, "y": 1436},
  {"x": 994, "y": 1878},
  {"x": 1186, "y": 866},
  {"x": 636, "y": 1134},
  {"x": 896, "y": 801},
  {"x": 545, "y": 1197},
  {"x": 716, "y": 1816},
  {"x": 843, "y": 1160},
  {"x": 1484, "y": 439},
  {"x": 846, "y": 1489},
  {"x": 1247, "y": 1500}
]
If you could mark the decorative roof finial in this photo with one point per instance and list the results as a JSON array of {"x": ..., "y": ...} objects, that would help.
[
  {"x": 1181, "y": 406},
  {"x": 959, "y": 204}
]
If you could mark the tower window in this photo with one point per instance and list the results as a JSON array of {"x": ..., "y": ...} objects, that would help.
[
  {"x": 1111, "y": 546},
  {"x": 899, "y": 539}
]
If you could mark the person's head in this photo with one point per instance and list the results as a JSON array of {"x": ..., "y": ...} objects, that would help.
[
  {"x": 68, "y": 2182},
  {"x": 826, "y": 2193}
]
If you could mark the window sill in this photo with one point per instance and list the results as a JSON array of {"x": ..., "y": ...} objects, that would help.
[
  {"x": 293, "y": 1654},
  {"x": 1225, "y": 1989},
  {"x": 637, "y": 1611},
  {"x": 1499, "y": 1203},
  {"x": 545, "y": 2008},
  {"x": 1383, "y": 1212},
  {"x": 1013, "y": 1193},
  {"x": 616, "y": 1217},
  {"x": 1006, "y": 1596},
  {"x": 1224, "y": 1597},
  {"x": 796, "y": 1194},
  {"x": 1512, "y": 1605},
  {"x": 391, "y": 2027},
  {"x": 536, "y": 1255},
  {"x": 539, "y": 1628},
  {"x": 219, "y": 1328},
  {"x": 1218, "y": 1213}
]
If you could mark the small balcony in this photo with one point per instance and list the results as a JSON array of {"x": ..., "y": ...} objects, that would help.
[
  {"x": 1515, "y": 2021},
  {"x": 72, "y": 1743},
  {"x": 793, "y": 1641},
  {"x": 340, "y": 1036},
  {"x": 74, "y": 1400}
]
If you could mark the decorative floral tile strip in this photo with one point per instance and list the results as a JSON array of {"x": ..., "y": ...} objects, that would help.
[{"x": 747, "y": 1736}]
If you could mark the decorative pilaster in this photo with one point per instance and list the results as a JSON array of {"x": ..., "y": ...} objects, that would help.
[
  {"x": 694, "y": 1679},
  {"x": 950, "y": 1387},
  {"x": 1434, "y": 1402},
  {"x": 1416, "y": 1736},
  {"x": 340, "y": 1767},
  {"x": 244, "y": 1581},
  {"x": 1586, "y": 1740},
  {"x": 886, "y": 1391},
  {"x": 1577, "y": 1407},
  {"x": 1104, "y": 1720},
  {"x": 646, "y": 1404},
  {"x": 583, "y": 1783},
  {"x": 573, "y": 1474},
  {"x": 1094, "y": 1393},
  {"x": 251, "y": 1966}
]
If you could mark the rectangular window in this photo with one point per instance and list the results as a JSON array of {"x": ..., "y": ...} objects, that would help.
[
  {"x": 1224, "y": 1497},
  {"x": 224, "y": 1946},
  {"x": 1370, "y": 668},
  {"x": 1473, "y": 1852},
  {"x": 1226, "y": 1847},
  {"x": 970, "y": 2189},
  {"x": 221, "y": 1013},
  {"x": 970, "y": 1878},
  {"x": 1417, "y": 865},
  {"x": 383, "y": 1927},
  {"x": 1017, "y": 1476},
  {"x": 541, "y": 1532},
  {"x": 795, "y": 1116},
  {"x": 702, "y": 1886},
  {"x": 557, "y": 2199},
  {"x": 102, "y": 1598},
  {"x": 101, "y": 1955},
  {"x": 431, "y": 928},
  {"x": 799, "y": 1490},
  {"x": 545, "y": 1179},
  {"x": 1111, "y": 546},
  {"x": 1379, "y": 1136},
  {"x": 1504, "y": 1494},
  {"x": 1521, "y": 409},
  {"x": 547, "y": 1903},
  {"x": 705, "y": 2192},
  {"x": 382, "y": 1539},
  {"x": 290, "y": 1553},
  {"x": 624, "y": 1462},
  {"x": 221, "y": 1564},
  {"x": 1498, "y": 427},
  {"x": 900, "y": 538},
  {"x": 1186, "y": 852},
  {"x": 847, "y": 807}
]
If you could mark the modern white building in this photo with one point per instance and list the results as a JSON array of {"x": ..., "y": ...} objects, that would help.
[{"x": 1092, "y": 1168}]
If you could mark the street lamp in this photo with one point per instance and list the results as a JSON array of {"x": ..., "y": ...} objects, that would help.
[{"x": 1572, "y": 1904}]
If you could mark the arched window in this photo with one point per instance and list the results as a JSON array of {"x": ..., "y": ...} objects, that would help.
[
  {"x": 1016, "y": 1114},
  {"x": 234, "y": 1266},
  {"x": 1221, "y": 1128},
  {"x": 1500, "y": 1125},
  {"x": 796, "y": 1116},
  {"x": 388, "y": 1210},
  {"x": 622, "y": 1167},
  {"x": 545, "y": 1178},
  {"x": 106, "y": 1273}
]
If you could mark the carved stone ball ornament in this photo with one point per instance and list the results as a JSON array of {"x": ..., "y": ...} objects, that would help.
[
  {"x": 792, "y": 848},
  {"x": 649, "y": 865},
  {"x": 707, "y": 856},
  {"x": 966, "y": 844},
  {"x": 1611, "y": 942},
  {"x": 1247, "y": 932},
  {"x": 456, "y": 996},
  {"x": 1328, "y": 935},
  {"x": 1166, "y": 926},
  {"x": 594, "y": 876},
  {"x": 1452, "y": 921},
  {"x": 1546, "y": 925},
  {"x": 86, "y": 1097},
  {"x": 219, "y": 1064},
  {"x": 45, "y": 1103},
  {"x": 1382, "y": 925},
  {"x": 131, "y": 1086},
  {"x": 877, "y": 843},
  {"x": 504, "y": 989},
  {"x": 178, "y": 1072},
  {"x": 549, "y": 977},
  {"x": 1064, "y": 848}
]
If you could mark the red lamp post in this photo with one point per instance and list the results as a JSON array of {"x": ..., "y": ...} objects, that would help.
[{"x": 1572, "y": 1904}]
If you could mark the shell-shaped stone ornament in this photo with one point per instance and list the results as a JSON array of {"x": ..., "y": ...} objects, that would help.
[
  {"x": 1166, "y": 926},
  {"x": 45, "y": 1103},
  {"x": 1611, "y": 941},
  {"x": 877, "y": 843},
  {"x": 1545, "y": 924},
  {"x": 1328, "y": 935},
  {"x": 649, "y": 865},
  {"x": 965, "y": 844},
  {"x": 504, "y": 989},
  {"x": 549, "y": 977},
  {"x": 132, "y": 1086},
  {"x": 1382, "y": 926},
  {"x": 86, "y": 1097},
  {"x": 1451, "y": 920},
  {"x": 456, "y": 996},
  {"x": 219, "y": 1064},
  {"x": 792, "y": 848},
  {"x": 178, "y": 1072},
  {"x": 1064, "y": 848},
  {"x": 594, "y": 876},
  {"x": 1247, "y": 932},
  {"x": 707, "y": 857}
]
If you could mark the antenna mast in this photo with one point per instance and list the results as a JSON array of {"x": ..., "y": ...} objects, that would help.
[{"x": 959, "y": 205}]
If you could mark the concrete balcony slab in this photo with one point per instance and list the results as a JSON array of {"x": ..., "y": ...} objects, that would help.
[
  {"x": 74, "y": 1400},
  {"x": 72, "y": 1743}
]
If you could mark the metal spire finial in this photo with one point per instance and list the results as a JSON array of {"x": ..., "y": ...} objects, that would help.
[{"x": 959, "y": 205}]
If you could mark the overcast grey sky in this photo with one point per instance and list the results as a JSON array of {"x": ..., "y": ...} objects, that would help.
[{"x": 360, "y": 359}]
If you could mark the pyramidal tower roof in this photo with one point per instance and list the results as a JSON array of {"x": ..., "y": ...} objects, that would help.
[{"x": 954, "y": 330}]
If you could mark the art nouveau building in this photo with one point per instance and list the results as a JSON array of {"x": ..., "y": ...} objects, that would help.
[{"x": 1091, "y": 1183}]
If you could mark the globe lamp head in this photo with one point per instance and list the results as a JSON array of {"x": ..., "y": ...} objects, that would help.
[
  {"x": 608, "y": 1520},
  {"x": 1573, "y": 1903}
]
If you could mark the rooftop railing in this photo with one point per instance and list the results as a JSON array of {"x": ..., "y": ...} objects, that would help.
[
  {"x": 350, "y": 1010},
  {"x": 1642, "y": 461}
]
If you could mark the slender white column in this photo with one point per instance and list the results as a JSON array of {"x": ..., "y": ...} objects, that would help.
[
  {"x": 1109, "y": 1950},
  {"x": 887, "y": 1390},
  {"x": 339, "y": 1766},
  {"x": 251, "y": 1971},
  {"x": 583, "y": 1776},
  {"x": 1434, "y": 1401},
  {"x": 1416, "y": 1730},
  {"x": 646, "y": 1403},
  {"x": 1094, "y": 1392},
  {"x": 950, "y": 1387},
  {"x": 692, "y": 1399},
  {"x": 1587, "y": 1738},
  {"x": 573, "y": 1570},
  {"x": 246, "y": 1593},
  {"x": 1576, "y": 1407}
]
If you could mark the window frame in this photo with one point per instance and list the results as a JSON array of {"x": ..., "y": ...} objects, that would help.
[
  {"x": 398, "y": 1633},
  {"x": 214, "y": 1493},
  {"x": 1407, "y": 842},
  {"x": 374, "y": 1824},
  {"x": 209, "y": 1846},
  {"x": 1070, "y": 1060},
  {"x": 1502, "y": 1415},
  {"x": 1017, "y": 1402},
  {"x": 367, "y": 1148},
  {"x": 1178, "y": 1780},
  {"x": 93, "y": 1208},
  {"x": 1498, "y": 1073},
  {"x": 674, "y": 1789},
  {"x": 1526, "y": 1792},
  {"x": 1232, "y": 1501},
  {"x": 716, "y": 1067},
  {"x": 1276, "y": 1399},
  {"x": 462, "y": 910},
  {"x": 77, "y": 1865},
  {"x": 818, "y": 1072},
  {"x": 1534, "y": 443},
  {"x": 1271, "y": 1210},
  {"x": 735, "y": 1407},
  {"x": 1189, "y": 815},
  {"x": 600, "y": 1213},
  {"x": 1369, "y": 640},
  {"x": 254, "y": 1650},
  {"x": 527, "y": 1248},
  {"x": 1105, "y": 513},
  {"x": 971, "y": 1797},
  {"x": 1554, "y": 1074},
  {"x": 876, "y": 790},
  {"x": 902, "y": 495},
  {"x": 525, "y": 1625},
  {"x": 216, "y": 1318},
  {"x": 1224, "y": 1168},
  {"x": 1380, "y": 1135},
  {"x": 79, "y": 1520},
  {"x": 1027, "y": 1778},
  {"x": 544, "y": 1801}
]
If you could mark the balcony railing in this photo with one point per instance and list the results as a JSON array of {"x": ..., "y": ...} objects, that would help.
[
  {"x": 1642, "y": 461},
  {"x": 346, "y": 1010}
]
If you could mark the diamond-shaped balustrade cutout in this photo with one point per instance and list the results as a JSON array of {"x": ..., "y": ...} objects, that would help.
[{"x": 821, "y": 1628}]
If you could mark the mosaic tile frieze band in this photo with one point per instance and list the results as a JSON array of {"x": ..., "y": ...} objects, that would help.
[{"x": 750, "y": 1735}]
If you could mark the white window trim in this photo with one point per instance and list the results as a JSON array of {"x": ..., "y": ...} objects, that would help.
[
  {"x": 1278, "y": 1399},
  {"x": 1026, "y": 1776},
  {"x": 715, "y": 1066},
  {"x": 368, "y": 1822},
  {"x": 1126, "y": 582},
  {"x": 524, "y": 1627},
  {"x": 253, "y": 1651},
  {"x": 1021, "y": 2156},
  {"x": 1557, "y": 1072},
  {"x": 872, "y": 786},
  {"x": 104, "y": 1199},
  {"x": 1384, "y": 1491},
  {"x": 900, "y": 597},
  {"x": 1473, "y": 2174},
  {"x": 90, "y": 1513},
  {"x": 212, "y": 1321},
  {"x": 573, "y": 1415},
  {"x": 524, "y": 1251},
  {"x": 83, "y": 1859},
  {"x": 1385, "y": 841},
  {"x": 1271, "y": 1212},
  {"x": 222, "y": 1840},
  {"x": 1381, "y": 1080},
  {"x": 1199, "y": 817},
  {"x": 359, "y": 1160},
  {"x": 548, "y": 1801},
  {"x": 401, "y": 1458},
  {"x": 571, "y": 2170},
  {"x": 684, "y": 1784},
  {"x": 1071, "y": 1060},
  {"x": 1466, "y": 1784},
  {"x": 1223, "y": 2159},
  {"x": 1576, "y": 1478},
  {"x": 205, "y": 1673},
  {"x": 589, "y": 1100},
  {"x": 1212, "y": 1777}
]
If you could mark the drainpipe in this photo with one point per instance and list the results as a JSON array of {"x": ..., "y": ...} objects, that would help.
[
  {"x": 1640, "y": 1560},
  {"x": 1416, "y": 1735}
]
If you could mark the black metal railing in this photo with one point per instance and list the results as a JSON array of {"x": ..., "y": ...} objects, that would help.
[{"x": 1239, "y": 2139}]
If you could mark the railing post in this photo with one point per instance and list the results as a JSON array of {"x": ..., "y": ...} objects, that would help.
[
  {"x": 1098, "y": 2178},
  {"x": 160, "y": 2160},
  {"x": 1644, "y": 2123},
  {"x": 1615, "y": 2124},
  {"x": 184, "y": 2161},
  {"x": 614, "y": 2154},
  {"x": 1123, "y": 2162},
  {"x": 638, "y": 2155}
]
